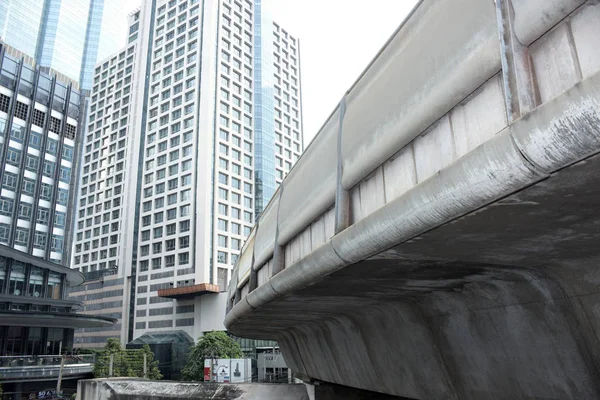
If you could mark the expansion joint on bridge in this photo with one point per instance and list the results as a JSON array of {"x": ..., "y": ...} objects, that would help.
[
  {"x": 342, "y": 196},
  {"x": 520, "y": 92},
  {"x": 278, "y": 250}
]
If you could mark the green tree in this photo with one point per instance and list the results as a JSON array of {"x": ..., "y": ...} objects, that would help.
[
  {"x": 126, "y": 362},
  {"x": 211, "y": 345}
]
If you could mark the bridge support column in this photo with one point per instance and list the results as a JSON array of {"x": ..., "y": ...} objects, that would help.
[{"x": 329, "y": 391}]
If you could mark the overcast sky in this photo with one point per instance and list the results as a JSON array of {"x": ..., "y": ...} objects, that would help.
[{"x": 338, "y": 38}]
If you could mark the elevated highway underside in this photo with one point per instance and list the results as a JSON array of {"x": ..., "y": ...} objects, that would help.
[{"x": 501, "y": 303}]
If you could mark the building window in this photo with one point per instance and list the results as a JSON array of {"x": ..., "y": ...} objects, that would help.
[
  {"x": 25, "y": 211},
  {"x": 17, "y": 133},
  {"x": 13, "y": 156},
  {"x": 35, "y": 140},
  {"x": 32, "y": 163},
  {"x": 184, "y": 242},
  {"x": 28, "y": 186},
  {"x": 171, "y": 229},
  {"x": 54, "y": 288},
  {"x": 40, "y": 240},
  {"x": 67, "y": 152},
  {"x": 51, "y": 146},
  {"x": 16, "y": 284},
  {"x": 184, "y": 226},
  {"x": 63, "y": 196},
  {"x": 22, "y": 237},
  {"x": 43, "y": 215},
  {"x": 6, "y": 206},
  {"x": 65, "y": 174},
  {"x": 46, "y": 192},
  {"x": 170, "y": 245},
  {"x": 49, "y": 168},
  {"x": 9, "y": 181},
  {"x": 170, "y": 261},
  {"x": 4, "y": 233},
  {"x": 59, "y": 219},
  {"x": 184, "y": 258},
  {"x": 57, "y": 243}
]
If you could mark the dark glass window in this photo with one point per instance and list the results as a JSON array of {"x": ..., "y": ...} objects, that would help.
[
  {"x": 54, "y": 287},
  {"x": 14, "y": 341},
  {"x": 36, "y": 281},
  {"x": 2, "y": 273},
  {"x": 34, "y": 341},
  {"x": 54, "y": 343},
  {"x": 16, "y": 284}
]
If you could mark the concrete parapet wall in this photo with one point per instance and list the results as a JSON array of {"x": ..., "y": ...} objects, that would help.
[
  {"x": 397, "y": 129},
  {"x": 132, "y": 389}
]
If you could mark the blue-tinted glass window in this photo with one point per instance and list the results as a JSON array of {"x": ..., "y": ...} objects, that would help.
[
  {"x": 63, "y": 196},
  {"x": 17, "y": 132},
  {"x": 13, "y": 156},
  {"x": 68, "y": 152},
  {"x": 35, "y": 140},
  {"x": 25, "y": 210},
  {"x": 65, "y": 174},
  {"x": 6, "y": 206},
  {"x": 28, "y": 186},
  {"x": 46, "y": 192},
  {"x": 32, "y": 162},
  {"x": 59, "y": 219},
  {"x": 51, "y": 146},
  {"x": 49, "y": 168},
  {"x": 9, "y": 181}
]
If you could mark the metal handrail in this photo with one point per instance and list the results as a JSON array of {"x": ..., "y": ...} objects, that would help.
[{"x": 44, "y": 360}]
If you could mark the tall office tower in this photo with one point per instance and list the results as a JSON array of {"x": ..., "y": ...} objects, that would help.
[
  {"x": 288, "y": 101},
  {"x": 67, "y": 36},
  {"x": 103, "y": 242},
  {"x": 214, "y": 109}
]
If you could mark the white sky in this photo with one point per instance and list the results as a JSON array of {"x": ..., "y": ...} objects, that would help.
[{"x": 338, "y": 38}]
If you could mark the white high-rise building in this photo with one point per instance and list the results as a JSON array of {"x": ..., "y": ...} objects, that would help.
[{"x": 192, "y": 126}]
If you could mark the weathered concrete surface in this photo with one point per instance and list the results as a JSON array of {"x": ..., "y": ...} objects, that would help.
[
  {"x": 489, "y": 287},
  {"x": 470, "y": 269},
  {"x": 138, "y": 389}
]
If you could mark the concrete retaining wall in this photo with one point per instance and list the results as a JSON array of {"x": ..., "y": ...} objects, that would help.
[{"x": 138, "y": 389}]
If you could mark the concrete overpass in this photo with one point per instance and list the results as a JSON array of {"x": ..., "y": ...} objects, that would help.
[{"x": 440, "y": 237}]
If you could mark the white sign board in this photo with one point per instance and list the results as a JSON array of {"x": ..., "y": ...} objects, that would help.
[{"x": 235, "y": 370}]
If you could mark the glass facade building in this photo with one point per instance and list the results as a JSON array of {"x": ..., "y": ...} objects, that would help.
[
  {"x": 40, "y": 136},
  {"x": 264, "y": 111},
  {"x": 20, "y": 24},
  {"x": 64, "y": 34},
  {"x": 39, "y": 139}
]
